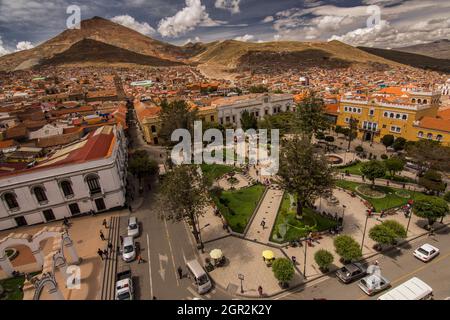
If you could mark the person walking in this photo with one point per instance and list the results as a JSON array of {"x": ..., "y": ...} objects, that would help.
[
  {"x": 260, "y": 291},
  {"x": 105, "y": 224},
  {"x": 102, "y": 236},
  {"x": 294, "y": 260},
  {"x": 105, "y": 253},
  {"x": 263, "y": 224},
  {"x": 140, "y": 260},
  {"x": 121, "y": 240},
  {"x": 431, "y": 234},
  {"x": 180, "y": 272},
  {"x": 100, "y": 253},
  {"x": 110, "y": 246}
]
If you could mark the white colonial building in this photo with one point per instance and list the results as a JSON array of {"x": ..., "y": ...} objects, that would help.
[
  {"x": 230, "y": 109},
  {"x": 89, "y": 174}
]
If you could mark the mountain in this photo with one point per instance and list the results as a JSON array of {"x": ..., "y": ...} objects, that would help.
[
  {"x": 411, "y": 59},
  {"x": 439, "y": 49},
  {"x": 98, "y": 29},
  {"x": 95, "y": 52}
]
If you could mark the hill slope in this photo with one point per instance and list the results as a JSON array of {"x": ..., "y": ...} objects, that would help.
[
  {"x": 439, "y": 49},
  {"x": 98, "y": 29},
  {"x": 412, "y": 59}
]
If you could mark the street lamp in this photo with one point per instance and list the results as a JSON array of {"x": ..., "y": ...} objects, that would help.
[{"x": 241, "y": 277}]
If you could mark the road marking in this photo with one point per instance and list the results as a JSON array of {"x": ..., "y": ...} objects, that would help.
[
  {"x": 162, "y": 270},
  {"x": 426, "y": 265},
  {"x": 149, "y": 267},
  {"x": 171, "y": 253}
]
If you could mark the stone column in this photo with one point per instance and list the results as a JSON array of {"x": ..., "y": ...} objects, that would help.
[
  {"x": 37, "y": 253},
  {"x": 5, "y": 264}
]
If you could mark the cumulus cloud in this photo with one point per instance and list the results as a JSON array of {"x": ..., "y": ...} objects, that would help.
[
  {"x": 130, "y": 22},
  {"x": 195, "y": 40},
  {"x": 245, "y": 38},
  {"x": 268, "y": 19},
  {"x": 230, "y": 5},
  {"x": 187, "y": 19},
  {"x": 24, "y": 45}
]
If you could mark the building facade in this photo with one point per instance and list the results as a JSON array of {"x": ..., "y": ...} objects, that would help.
[
  {"x": 87, "y": 175},
  {"x": 400, "y": 112}
]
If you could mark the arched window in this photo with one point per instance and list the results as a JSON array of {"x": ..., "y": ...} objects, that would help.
[
  {"x": 430, "y": 136},
  {"x": 404, "y": 117},
  {"x": 419, "y": 100},
  {"x": 391, "y": 115},
  {"x": 66, "y": 187},
  {"x": 413, "y": 100},
  {"x": 420, "y": 134},
  {"x": 153, "y": 129},
  {"x": 397, "y": 115},
  {"x": 425, "y": 101},
  {"x": 288, "y": 107},
  {"x": 11, "y": 201},
  {"x": 40, "y": 195},
  {"x": 93, "y": 183},
  {"x": 439, "y": 137},
  {"x": 386, "y": 114}
]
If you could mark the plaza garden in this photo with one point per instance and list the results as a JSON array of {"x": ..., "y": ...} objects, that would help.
[
  {"x": 355, "y": 169},
  {"x": 237, "y": 206},
  {"x": 382, "y": 197},
  {"x": 287, "y": 227},
  {"x": 213, "y": 172}
]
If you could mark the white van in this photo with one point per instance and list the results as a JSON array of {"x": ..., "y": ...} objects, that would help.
[
  {"x": 413, "y": 289},
  {"x": 199, "y": 275}
]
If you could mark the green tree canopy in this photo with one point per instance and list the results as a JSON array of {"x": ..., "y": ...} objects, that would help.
[
  {"x": 282, "y": 121},
  {"x": 429, "y": 154},
  {"x": 140, "y": 165},
  {"x": 310, "y": 116},
  {"x": 304, "y": 172},
  {"x": 394, "y": 165},
  {"x": 432, "y": 181},
  {"x": 323, "y": 258},
  {"x": 387, "y": 140},
  {"x": 258, "y": 89},
  {"x": 283, "y": 270},
  {"x": 248, "y": 121},
  {"x": 399, "y": 144},
  {"x": 373, "y": 170},
  {"x": 431, "y": 209},
  {"x": 175, "y": 115},
  {"x": 347, "y": 248},
  {"x": 387, "y": 233}
]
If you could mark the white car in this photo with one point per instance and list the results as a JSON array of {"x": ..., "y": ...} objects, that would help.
[
  {"x": 373, "y": 284},
  {"x": 128, "y": 250},
  {"x": 133, "y": 227},
  {"x": 426, "y": 252}
]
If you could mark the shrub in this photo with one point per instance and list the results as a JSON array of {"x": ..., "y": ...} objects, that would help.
[
  {"x": 323, "y": 259},
  {"x": 347, "y": 248},
  {"x": 359, "y": 149},
  {"x": 447, "y": 196},
  {"x": 384, "y": 156},
  {"x": 283, "y": 270}
]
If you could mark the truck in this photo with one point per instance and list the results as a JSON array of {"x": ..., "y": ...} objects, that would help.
[{"x": 124, "y": 285}]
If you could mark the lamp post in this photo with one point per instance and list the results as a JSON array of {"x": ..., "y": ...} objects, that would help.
[
  {"x": 241, "y": 277},
  {"x": 365, "y": 227}
]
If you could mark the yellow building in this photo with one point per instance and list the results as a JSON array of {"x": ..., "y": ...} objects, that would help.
[
  {"x": 148, "y": 116},
  {"x": 402, "y": 112}
]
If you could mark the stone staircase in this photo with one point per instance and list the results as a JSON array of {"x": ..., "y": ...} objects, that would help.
[{"x": 110, "y": 264}]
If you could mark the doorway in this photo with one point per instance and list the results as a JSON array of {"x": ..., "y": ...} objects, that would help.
[{"x": 100, "y": 204}]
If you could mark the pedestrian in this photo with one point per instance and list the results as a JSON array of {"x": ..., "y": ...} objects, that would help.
[
  {"x": 260, "y": 291},
  {"x": 431, "y": 232},
  {"x": 105, "y": 253},
  {"x": 100, "y": 253},
  {"x": 110, "y": 246},
  {"x": 140, "y": 260},
  {"x": 121, "y": 240},
  {"x": 102, "y": 236},
  {"x": 263, "y": 224},
  {"x": 294, "y": 260},
  {"x": 105, "y": 224},
  {"x": 180, "y": 272}
]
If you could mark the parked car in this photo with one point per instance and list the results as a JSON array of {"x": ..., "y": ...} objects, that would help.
[
  {"x": 413, "y": 289},
  {"x": 373, "y": 284},
  {"x": 128, "y": 250},
  {"x": 124, "y": 285},
  {"x": 351, "y": 272},
  {"x": 133, "y": 227},
  {"x": 426, "y": 252}
]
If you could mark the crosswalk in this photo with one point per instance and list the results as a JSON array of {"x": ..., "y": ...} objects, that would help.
[{"x": 196, "y": 296}]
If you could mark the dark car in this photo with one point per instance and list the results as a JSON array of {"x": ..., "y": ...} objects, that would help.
[{"x": 351, "y": 272}]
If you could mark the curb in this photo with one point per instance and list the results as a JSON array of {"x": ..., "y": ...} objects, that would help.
[{"x": 250, "y": 221}]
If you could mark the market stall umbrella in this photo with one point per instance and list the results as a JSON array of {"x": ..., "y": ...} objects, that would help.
[
  {"x": 268, "y": 254},
  {"x": 216, "y": 254}
]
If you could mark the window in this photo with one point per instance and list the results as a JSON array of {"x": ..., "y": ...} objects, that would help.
[
  {"x": 439, "y": 137},
  {"x": 397, "y": 116},
  {"x": 153, "y": 129},
  {"x": 48, "y": 215},
  {"x": 21, "y": 221},
  {"x": 429, "y": 136},
  {"x": 359, "y": 110},
  {"x": 413, "y": 100},
  {"x": 371, "y": 112},
  {"x": 266, "y": 112},
  {"x": 67, "y": 189},
  {"x": 386, "y": 114},
  {"x": 347, "y": 120},
  {"x": 395, "y": 129},
  {"x": 212, "y": 118},
  {"x": 425, "y": 101},
  {"x": 93, "y": 184},
  {"x": 234, "y": 119},
  {"x": 221, "y": 120},
  {"x": 420, "y": 134},
  {"x": 404, "y": 117},
  {"x": 227, "y": 119},
  {"x": 40, "y": 195},
  {"x": 74, "y": 208},
  {"x": 391, "y": 115},
  {"x": 100, "y": 204},
  {"x": 11, "y": 201},
  {"x": 345, "y": 109},
  {"x": 287, "y": 108}
]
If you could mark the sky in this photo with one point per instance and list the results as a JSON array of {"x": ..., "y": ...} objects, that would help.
[{"x": 374, "y": 23}]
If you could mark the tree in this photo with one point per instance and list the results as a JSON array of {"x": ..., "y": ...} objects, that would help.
[
  {"x": 338, "y": 129},
  {"x": 283, "y": 270},
  {"x": 258, "y": 89},
  {"x": 141, "y": 165},
  {"x": 429, "y": 154},
  {"x": 323, "y": 259},
  {"x": 175, "y": 115},
  {"x": 352, "y": 131},
  {"x": 347, "y": 248},
  {"x": 431, "y": 209},
  {"x": 399, "y": 144},
  {"x": 304, "y": 172},
  {"x": 184, "y": 194},
  {"x": 447, "y": 196},
  {"x": 387, "y": 233},
  {"x": 310, "y": 116},
  {"x": 373, "y": 170},
  {"x": 282, "y": 121},
  {"x": 394, "y": 165},
  {"x": 248, "y": 121},
  {"x": 387, "y": 140},
  {"x": 432, "y": 181}
]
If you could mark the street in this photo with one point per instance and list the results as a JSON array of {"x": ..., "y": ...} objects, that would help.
[{"x": 398, "y": 266}]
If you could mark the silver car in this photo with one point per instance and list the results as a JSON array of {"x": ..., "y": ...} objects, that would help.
[
  {"x": 128, "y": 250},
  {"x": 133, "y": 227},
  {"x": 373, "y": 284}
]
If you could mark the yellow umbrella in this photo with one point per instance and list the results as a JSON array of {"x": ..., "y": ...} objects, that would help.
[
  {"x": 268, "y": 254},
  {"x": 216, "y": 254}
]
